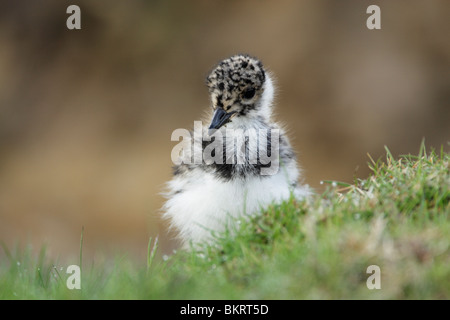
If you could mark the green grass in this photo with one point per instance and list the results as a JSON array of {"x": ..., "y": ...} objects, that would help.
[{"x": 397, "y": 219}]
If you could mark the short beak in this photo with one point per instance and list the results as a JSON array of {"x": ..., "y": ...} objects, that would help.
[{"x": 220, "y": 117}]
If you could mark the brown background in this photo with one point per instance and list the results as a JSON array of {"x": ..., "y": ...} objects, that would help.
[{"x": 86, "y": 116}]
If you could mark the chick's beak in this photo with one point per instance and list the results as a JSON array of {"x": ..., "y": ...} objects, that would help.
[{"x": 220, "y": 118}]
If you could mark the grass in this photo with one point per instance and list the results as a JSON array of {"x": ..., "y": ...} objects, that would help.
[{"x": 397, "y": 219}]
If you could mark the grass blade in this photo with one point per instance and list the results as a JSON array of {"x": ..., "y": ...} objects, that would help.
[{"x": 151, "y": 251}]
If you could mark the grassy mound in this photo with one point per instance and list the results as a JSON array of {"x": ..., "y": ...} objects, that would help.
[{"x": 397, "y": 219}]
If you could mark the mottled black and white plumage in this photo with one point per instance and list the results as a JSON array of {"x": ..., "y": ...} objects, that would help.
[{"x": 207, "y": 197}]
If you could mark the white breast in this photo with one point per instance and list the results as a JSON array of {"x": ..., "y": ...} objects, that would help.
[{"x": 206, "y": 204}]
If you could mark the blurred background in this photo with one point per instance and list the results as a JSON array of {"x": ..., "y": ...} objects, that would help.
[{"x": 86, "y": 115}]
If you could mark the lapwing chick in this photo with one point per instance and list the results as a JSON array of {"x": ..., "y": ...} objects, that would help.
[{"x": 237, "y": 163}]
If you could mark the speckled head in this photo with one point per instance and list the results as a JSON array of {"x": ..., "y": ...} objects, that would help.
[{"x": 236, "y": 87}]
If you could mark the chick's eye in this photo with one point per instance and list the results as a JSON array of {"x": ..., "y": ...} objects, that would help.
[{"x": 248, "y": 94}]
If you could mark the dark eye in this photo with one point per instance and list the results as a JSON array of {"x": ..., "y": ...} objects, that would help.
[{"x": 248, "y": 94}]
